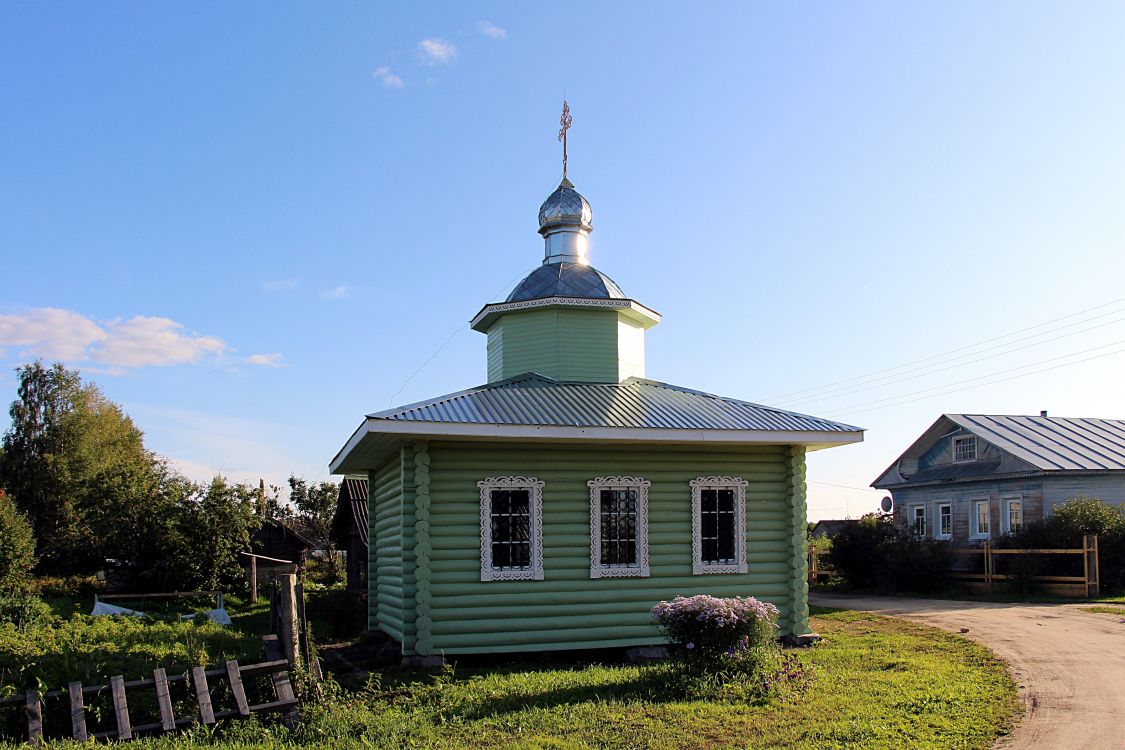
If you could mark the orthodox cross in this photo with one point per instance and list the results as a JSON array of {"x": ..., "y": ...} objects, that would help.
[{"x": 565, "y": 121}]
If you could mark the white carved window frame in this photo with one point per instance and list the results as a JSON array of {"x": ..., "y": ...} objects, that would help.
[
  {"x": 535, "y": 492},
  {"x": 596, "y": 485},
  {"x": 738, "y": 484}
]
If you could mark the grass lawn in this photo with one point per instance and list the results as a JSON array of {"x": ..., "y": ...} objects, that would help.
[
  {"x": 877, "y": 683},
  {"x": 1103, "y": 610}
]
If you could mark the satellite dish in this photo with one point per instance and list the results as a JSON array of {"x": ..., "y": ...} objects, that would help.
[{"x": 886, "y": 504}]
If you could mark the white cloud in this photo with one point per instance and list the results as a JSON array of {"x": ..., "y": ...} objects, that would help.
[
  {"x": 141, "y": 341},
  {"x": 336, "y": 293},
  {"x": 437, "y": 51},
  {"x": 279, "y": 285},
  {"x": 265, "y": 360},
  {"x": 490, "y": 29},
  {"x": 50, "y": 332},
  {"x": 389, "y": 79}
]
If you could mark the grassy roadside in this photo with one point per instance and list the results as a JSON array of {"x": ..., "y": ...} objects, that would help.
[{"x": 877, "y": 683}]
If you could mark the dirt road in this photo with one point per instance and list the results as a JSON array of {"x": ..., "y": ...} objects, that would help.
[{"x": 1070, "y": 664}]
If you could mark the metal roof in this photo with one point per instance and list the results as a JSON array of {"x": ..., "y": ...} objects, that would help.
[
  {"x": 351, "y": 511},
  {"x": 566, "y": 280},
  {"x": 634, "y": 403},
  {"x": 1053, "y": 443}
]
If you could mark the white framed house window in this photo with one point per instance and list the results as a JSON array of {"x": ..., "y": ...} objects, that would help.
[
  {"x": 964, "y": 448},
  {"x": 1013, "y": 514},
  {"x": 618, "y": 527},
  {"x": 718, "y": 525},
  {"x": 511, "y": 529},
  {"x": 979, "y": 519},
  {"x": 943, "y": 529},
  {"x": 918, "y": 520}
]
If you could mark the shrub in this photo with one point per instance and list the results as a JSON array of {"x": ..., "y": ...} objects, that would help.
[
  {"x": 875, "y": 554},
  {"x": 23, "y": 610},
  {"x": 1065, "y": 527},
  {"x": 708, "y": 628},
  {"x": 17, "y": 547},
  {"x": 337, "y": 614}
]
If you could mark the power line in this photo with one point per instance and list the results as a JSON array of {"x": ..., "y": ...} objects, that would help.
[
  {"x": 954, "y": 351},
  {"x": 848, "y": 410},
  {"x": 845, "y": 486},
  {"x": 893, "y": 379},
  {"x": 446, "y": 342}
]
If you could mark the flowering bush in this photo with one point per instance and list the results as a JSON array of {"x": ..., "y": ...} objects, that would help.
[
  {"x": 728, "y": 649},
  {"x": 706, "y": 628}
]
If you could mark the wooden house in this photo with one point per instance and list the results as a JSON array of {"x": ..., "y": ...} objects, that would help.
[
  {"x": 551, "y": 507},
  {"x": 349, "y": 530},
  {"x": 972, "y": 477}
]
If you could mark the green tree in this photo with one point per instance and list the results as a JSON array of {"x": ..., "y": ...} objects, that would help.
[
  {"x": 315, "y": 506},
  {"x": 17, "y": 547},
  {"x": 76, "y": 465}
]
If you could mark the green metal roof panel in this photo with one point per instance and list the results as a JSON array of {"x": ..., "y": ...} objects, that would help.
[{"x": 634, "y": 403}]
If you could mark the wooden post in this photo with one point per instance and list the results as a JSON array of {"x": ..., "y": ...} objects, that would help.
[
  {"x": 237, "y": 690},
  {"x": 203, "y": 695},
  {"x": 34, "y": 718},
  {"x": 289, "y": 631},
  {"x": 1090, "y": 565},
  {"x": 121, "y": 708},
  {"x": 253, "y": 580},
  {"x": 77, "y": 712},
  {"x": 988, "y": 564},
  {"x": 164, "y": 700}
]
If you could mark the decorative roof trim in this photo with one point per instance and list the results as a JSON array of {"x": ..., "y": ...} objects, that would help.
[{"x": 488, "y": 312}]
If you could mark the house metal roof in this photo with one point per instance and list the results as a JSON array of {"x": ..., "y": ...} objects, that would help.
[
  {"x": 1053, "y": 443},
  {"x": 536, "y": 408},
  {"x": 1033, "y": 444},
  {"x": 634, "y": 403},
  {"x": 351, "y": 511},
  {"x": 566, "y": 280}
]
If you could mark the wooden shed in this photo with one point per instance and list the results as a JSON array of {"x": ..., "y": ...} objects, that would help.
[{"x": 349, "y": 530}]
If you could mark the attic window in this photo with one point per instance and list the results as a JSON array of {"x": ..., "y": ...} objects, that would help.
[
  {"x": 964, "y": 449},
  {"x": 618, "y": 527},
  {"x": 511, "y": 529},
  {"x": 718, "y": 541}
]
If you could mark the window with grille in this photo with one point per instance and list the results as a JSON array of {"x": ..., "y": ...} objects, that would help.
[
  {"x": 719, "y": 525},
  {"x": 618, "y": 527},
  {"x": 511, "y": 528},
  {"x": 964, "y": 449}
]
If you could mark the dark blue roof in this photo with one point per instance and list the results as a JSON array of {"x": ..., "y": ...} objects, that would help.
[{"x": 566, "y": 280}]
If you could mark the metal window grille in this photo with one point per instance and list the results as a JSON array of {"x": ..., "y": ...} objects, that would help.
[
  {"x": 619, "y": 527},
  {"x": 510, "y": 512},
  {"x": 965, "y": 448},
  {"x": 717, "y": 524}
]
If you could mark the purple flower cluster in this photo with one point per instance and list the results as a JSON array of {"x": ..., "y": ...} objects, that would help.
[{"x": 718, "y": 612}]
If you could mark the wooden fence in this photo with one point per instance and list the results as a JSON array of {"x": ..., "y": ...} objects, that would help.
[
  {"x": 1087, "y": 584},
  {"x": 276, "y": 667},
  {"x": 817, "y": 571}
]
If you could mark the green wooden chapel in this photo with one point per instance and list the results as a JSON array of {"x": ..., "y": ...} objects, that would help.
[{"x": 551, "y": 507}]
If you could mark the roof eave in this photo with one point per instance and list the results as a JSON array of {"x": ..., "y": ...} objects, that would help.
[
  {"x": 387, "y": 433},
  {"x": 641, "y": 314}
]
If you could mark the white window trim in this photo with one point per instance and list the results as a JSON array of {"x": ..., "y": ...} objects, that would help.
[
  {"x": 1006, "y": 517},
  {"x": 535, "y": 487},
  {"x": 912, "y": 519},
  {"x": 937, "y": 519},
  {"x": 976, "y": 449},
  {"x": 974, "y": 527},
  {"x": 596, "y": 485},
  {"x": 698, "y": 567}
]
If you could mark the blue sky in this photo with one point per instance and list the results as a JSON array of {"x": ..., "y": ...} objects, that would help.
[{"x": 252, "y": 223}]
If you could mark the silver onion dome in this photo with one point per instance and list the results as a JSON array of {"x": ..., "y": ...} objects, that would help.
[{"x": 565, "y": 208}]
